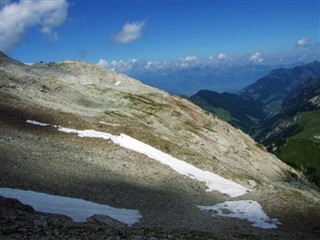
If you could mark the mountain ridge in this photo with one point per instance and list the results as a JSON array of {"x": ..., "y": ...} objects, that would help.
[{"x": 274, "y": 87}]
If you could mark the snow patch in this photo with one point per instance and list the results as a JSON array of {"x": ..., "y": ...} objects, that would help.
[
  {"x": 244, "y": 209},
  {"x": 213, "y": 181},
  {"x": 77, "y": 209},
  {"x": 37, "y": 123},
  {"x": 110, "y": 124},
  {"x": 117, "y": 83},
  {"x": 315, "y": 101}
]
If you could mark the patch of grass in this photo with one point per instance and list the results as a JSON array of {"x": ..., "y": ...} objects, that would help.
[
  {"x": 115, "y": 114},
  {"x": 84, "y": 102},
  {"x": 190, "y": 126},
  {"x": 274, "y": 107},
  {"x": 141, "y": 99},
  {"x": 222, "y": 114},
  {"x": 310, "y": 121},
  {"x": 302, "y": 150},
  {"x": 145, "y": 104},
  {"x": 98, "y": 90},
  {"x": 104, "y": 90},
  {"x": 259, "y": 145}
]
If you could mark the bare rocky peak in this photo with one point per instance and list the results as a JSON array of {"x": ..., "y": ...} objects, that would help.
[{"x": 75, "y": 72}]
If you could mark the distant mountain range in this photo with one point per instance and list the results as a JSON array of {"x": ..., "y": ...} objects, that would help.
[
  {"x": 188, "y": 81},
  {"x": 272, "y": 89},
  {"x": 294, "y": 134},
  {"x": 280, "y": 110}
]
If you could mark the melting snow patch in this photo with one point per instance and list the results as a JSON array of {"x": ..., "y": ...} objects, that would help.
[
  {"x": 213, "y": 181},
  {"x": 244, "y": 209},
  {"x": 37, "y": 123},
  {"x": 79, "y": 210},
  {"x": 110, "y": 124}
]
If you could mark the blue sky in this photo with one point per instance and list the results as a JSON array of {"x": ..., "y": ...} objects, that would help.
[{"x": 261, "y": 32}]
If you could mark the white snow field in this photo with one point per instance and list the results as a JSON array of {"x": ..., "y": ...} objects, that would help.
[
  {"x": 213, "y": 181},
  {"x": 77, "y": 209},
  {"x": 244, "y": 209}
]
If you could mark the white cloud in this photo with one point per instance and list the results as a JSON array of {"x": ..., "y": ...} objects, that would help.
[
  {"x": 130, "y": 32},
  {"x": 222, "y": 56},
  {"x": 123, "y": 66},
  {"x": 151, "y": 64},
  {"x": 302, "y": 42},
  {"x": 191, "y": 58},
  {"x": 17, "y": 17},
  {"x": 188, "y": 62},
  {"x": 103, "y": 63},
  {"x": 256, "y": 58},
  {"x": 162, "y": 65},
  {"x": 184, "y": 65}
]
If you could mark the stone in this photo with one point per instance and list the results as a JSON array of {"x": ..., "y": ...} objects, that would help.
[{"x": 252, "y": 183}]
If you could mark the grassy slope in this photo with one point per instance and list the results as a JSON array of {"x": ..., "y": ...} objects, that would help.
[
  {"x": 240, "y": 111},
  {"x": 219, "y": 112},
  {"x": 302, "y": 150}
]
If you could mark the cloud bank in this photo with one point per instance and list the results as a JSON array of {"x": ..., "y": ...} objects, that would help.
[
  {"x": 222, "y": 56},
  {"x": 219, "y": 61},
  {"x": 18, "y": 17},
  {"x": 130, "y": 32},
  {"x": 134, "y": 65},
  {"x": 256, "y": 58},
  {"x": 123, "y": 66}
]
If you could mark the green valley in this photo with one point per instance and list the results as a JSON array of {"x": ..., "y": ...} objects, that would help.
[{"x": 280, "y": 111}]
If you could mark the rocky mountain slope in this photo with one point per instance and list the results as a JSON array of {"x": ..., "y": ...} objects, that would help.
[
  {"x": 305, "y": 98},
  {"x": 272, "y": 89},
  {"x": 53, "y": 159},
  {"x": 293, "y": 135}
]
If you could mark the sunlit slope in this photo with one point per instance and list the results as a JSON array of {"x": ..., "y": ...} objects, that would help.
[
  {"x": 302, "y": 150},
  {"x": 80, "y": 96}
]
